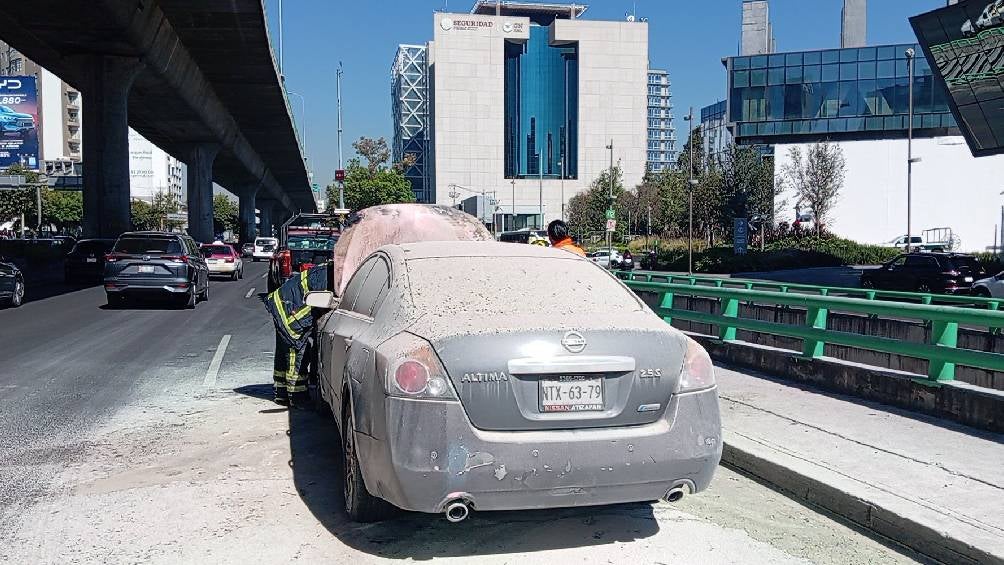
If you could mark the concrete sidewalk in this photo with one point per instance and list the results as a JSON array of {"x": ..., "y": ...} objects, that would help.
[{"x": 932, "y": 485}]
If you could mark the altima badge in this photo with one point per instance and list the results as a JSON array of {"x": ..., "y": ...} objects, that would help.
[{"x": 573, "y": 342}]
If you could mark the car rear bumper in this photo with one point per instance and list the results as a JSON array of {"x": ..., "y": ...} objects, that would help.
[
  {"x": 438, "y": 456},
  {"x": 147, "y": 286},
  {"x": 220, "y": 268},
  {"x": 265, "y": 256}
]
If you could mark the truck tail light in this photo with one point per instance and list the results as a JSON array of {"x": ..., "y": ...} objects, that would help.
[{"x": 285, "y": 264}]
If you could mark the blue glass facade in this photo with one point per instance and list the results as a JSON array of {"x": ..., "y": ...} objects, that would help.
[
  {"x": 541, "y": 107},
  {"x": 838, "y": 94}
]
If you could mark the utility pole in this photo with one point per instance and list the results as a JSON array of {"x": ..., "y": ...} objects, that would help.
[
  {"x": 561, "y": 164},
  {"x": 648, "y": 226},
  {"x": 610, "y": 235},
  {"x": 691, "y": 183},
  {"x": 338, "y": 95},
  {"x": 909, "y": 157},
  {"x": 540, "y": 194},
  {"x": 512, "y": 224}
]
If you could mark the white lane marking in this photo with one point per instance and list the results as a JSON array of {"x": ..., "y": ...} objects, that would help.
[
  {"x": 250, "y": 292},
  {"x": 263, "y": 275},
  {"x": 214, "y": 365}
]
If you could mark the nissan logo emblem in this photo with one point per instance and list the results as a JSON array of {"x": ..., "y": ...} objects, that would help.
[{"x": 573, "y": 342}]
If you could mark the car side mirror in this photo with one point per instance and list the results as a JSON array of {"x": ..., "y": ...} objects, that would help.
[{"x": 322, "y": 299}]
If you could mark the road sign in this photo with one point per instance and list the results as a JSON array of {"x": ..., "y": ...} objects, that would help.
[
  {"x": 611, "y": 225},
  {"x": 740, "y": 235},
  {"x": 316, "y": 187},
  {"x": 176, "y": 217},
  {"x": 340, "y": 175},
  {"x": 610, "y": 213}
]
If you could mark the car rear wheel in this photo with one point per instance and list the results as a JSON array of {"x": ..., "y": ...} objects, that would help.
[
  {"x": 360, "y": 505},
  {"x": 115, "y": 300},
  {"x": 204, "y": 295},
  {"x": 982, "y": 291},
  {"x": 16, "y": 297},
  {"x": 190, "y": 299}
]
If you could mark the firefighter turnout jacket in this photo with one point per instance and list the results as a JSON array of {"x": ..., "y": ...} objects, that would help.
[{"x": 294, "y": 325}]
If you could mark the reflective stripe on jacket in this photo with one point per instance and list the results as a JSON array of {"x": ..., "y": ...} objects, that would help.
[{"x": 287, "y": 304}]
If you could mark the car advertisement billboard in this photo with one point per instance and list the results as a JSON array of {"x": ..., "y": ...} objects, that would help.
[
  {"x": 18, "y": 122},
  {"x": 964, "y": 43}
]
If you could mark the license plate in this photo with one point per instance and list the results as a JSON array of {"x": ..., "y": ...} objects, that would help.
[
  {"x": 969, "y": 279},
  {"x": 146, "y": 268},
  {"x": 571, "y": 393},
  {"x": 92, "y": 259}
]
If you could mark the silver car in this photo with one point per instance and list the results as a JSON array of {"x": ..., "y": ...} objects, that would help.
[{"x": 472, "y": 375}]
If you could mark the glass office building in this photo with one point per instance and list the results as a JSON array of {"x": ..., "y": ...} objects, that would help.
[
  {"x": 835, "y": 94},
  {"x": 715, "y": 135},
  {"x": 541, "y": 107},
  {"x": 410, "y": 112}
]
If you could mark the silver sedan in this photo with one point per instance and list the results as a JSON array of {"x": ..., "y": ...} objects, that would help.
[{"x": 471, "y": 375}]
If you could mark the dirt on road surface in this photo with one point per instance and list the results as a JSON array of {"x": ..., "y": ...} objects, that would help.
[{"x": 226, "y": 476}]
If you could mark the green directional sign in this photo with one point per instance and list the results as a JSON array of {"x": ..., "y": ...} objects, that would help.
[{"x": 610, "y": 213}]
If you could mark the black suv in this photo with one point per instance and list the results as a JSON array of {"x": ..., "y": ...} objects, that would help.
[
  {"x": 86, "y": 261},
  {"x": 945, "y": 273},
  {"x": 156, "y": 263}
]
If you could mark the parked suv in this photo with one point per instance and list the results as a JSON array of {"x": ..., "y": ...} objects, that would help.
[
  {"x": 156, "y": 263},
  {"x": 945, "y": 273}
]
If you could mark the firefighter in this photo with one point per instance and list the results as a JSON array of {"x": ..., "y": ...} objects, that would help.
[{"x": 294, "y": 329}]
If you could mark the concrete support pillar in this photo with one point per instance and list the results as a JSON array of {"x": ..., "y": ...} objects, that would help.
[
  {"x": 105, "y": 86},
  {"x": 265, "y": 207},
  {"x": 246, "y": 214},
  {"x": 200, "y": 190}
]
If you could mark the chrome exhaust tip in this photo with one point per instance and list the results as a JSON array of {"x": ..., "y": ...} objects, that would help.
[
  {"x": 457, "y": 511},
  {"x": 674, "y": 494}
]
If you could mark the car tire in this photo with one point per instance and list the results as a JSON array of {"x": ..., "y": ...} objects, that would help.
[
  {"x": 205, "y": 293},
  {"x": 16, "y": 297},
  {"x": 115, "y": 300},
  {"x": 982, "y": 292},
  {"x": 360, "y": 505},
  {"x": 190, "y": 299}
]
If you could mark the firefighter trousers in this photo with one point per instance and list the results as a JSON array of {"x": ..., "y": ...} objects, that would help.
[{"x": 291, "y": 372}]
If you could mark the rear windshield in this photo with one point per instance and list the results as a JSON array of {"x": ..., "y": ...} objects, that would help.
[
  {"x": 965, "y": 263},
  {"x": 148, "y": 245},
  {"x": 515, "y": 286},
  {"x": 312, "y": 243},
  {"x": 264, "y": 242},
  {"x": 216, "y": 250},
  {"x": 91, "y": 247}
]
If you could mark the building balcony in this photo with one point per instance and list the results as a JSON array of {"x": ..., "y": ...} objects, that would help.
[{"x": 73, "y": 119}]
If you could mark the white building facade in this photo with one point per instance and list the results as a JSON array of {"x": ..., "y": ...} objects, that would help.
[
  {"x": 152, "y": 171},
  {"x": 661, "y": 132},
  {"x": 525, "y": 103}
]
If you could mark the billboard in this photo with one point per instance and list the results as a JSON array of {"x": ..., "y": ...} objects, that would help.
[
  {"x": 964, "y": 43},
  {"x": 18, "y": 122}
]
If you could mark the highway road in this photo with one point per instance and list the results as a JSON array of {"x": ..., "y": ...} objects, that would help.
[{"x": 147, "y": 435}]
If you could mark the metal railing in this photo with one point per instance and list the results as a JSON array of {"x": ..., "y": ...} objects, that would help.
[
  {"x": 940, "y": 351},
  {"x": 865, "y": 293}
]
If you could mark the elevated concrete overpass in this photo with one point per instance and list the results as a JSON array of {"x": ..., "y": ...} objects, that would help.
[{"x": 195, "y": 77}]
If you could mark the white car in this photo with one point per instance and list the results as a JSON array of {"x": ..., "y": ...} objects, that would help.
[
  {"x": 990, "y": 287},
  {"x": 264, "y": 247},
  {"x": 602, "y": 258}
]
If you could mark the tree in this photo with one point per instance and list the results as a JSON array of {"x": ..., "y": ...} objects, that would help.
[
  {"x": 816, "y": 178},
  {"x": 143, "y": 218},
  {"x": 587, "y": 210},
  {"x": 747, "y": 186},
  {"x": 375, "y": 151},
  {"x": 63, "y": 209},
  {"x": 225, "y": 214},
  {"x": 364, "y": 188},
  {"x": 13, "y": 203}
]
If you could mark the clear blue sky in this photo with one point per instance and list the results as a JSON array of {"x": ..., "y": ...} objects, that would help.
[{"x": 686, "y": 37}]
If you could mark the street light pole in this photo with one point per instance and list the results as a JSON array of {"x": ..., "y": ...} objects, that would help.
[
  {"x": 691, "y": 183},
  {"x": 338, "y": 94},
  {"x": 909, "y": 156}
]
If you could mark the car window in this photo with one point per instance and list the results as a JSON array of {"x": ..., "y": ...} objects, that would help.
[
  {"x": 355, "y": 285},
  {"x": 148, "y": 244},
  {"x": 377, "y": 281},
  {"x": 920, "y": 261},
  {"x": 216, "y": 250},
  {"x": 899, "y": 261}
]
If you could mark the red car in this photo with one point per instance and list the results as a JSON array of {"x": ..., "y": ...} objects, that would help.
[{"x": 223, "y": 260}]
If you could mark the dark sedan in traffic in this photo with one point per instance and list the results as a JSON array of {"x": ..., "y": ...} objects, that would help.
[
  {"x": 11, "y": 284},
  {"x": 86, "y": 261}
]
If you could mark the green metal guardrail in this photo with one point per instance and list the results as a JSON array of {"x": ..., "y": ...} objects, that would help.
[
  {"x": 940, "y": 352},
  {"x": 865, "y": 293}
]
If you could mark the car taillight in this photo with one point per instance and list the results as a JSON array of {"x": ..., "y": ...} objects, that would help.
[
  {"x": 698, "y": 372},
  {"x": 181, "y": 258},
  {"x": 951, "y": 273},
  {"x": 111, "y": 257},
  {"x": 229, "y": 260},
  {"x": 285, "y": 264},
  {"x": 413, "y": 369}
]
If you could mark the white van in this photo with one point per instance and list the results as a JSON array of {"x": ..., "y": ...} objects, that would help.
[{"x": 264, "y": 247}]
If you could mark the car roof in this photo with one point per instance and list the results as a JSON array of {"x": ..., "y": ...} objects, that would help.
[
  {"x": 436, "y": 249},
  {"x": 151, "y": 233}
]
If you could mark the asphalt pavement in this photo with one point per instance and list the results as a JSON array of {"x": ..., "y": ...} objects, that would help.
[{"x": 147, "y": 435}]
